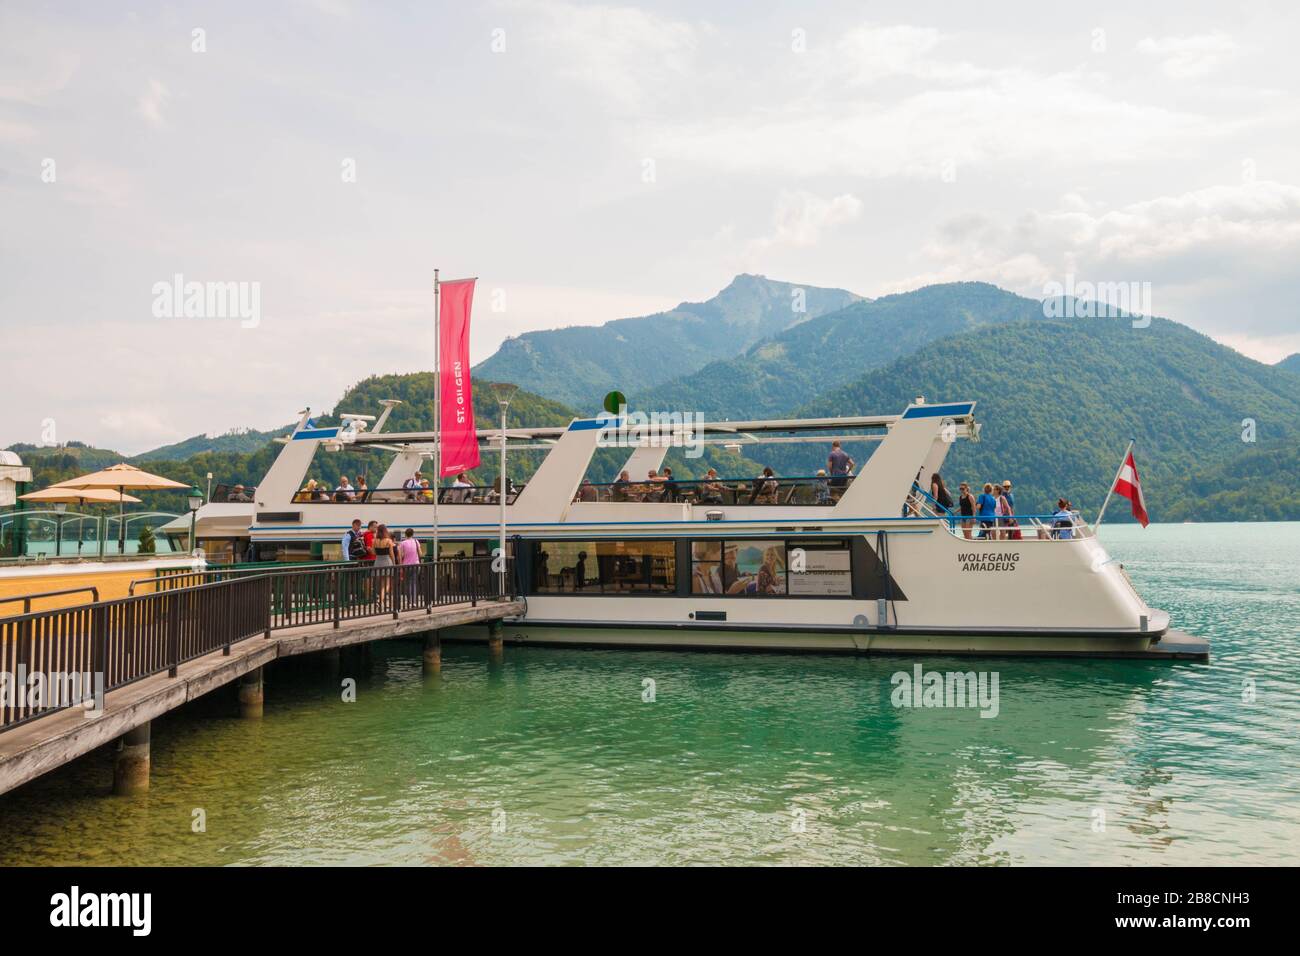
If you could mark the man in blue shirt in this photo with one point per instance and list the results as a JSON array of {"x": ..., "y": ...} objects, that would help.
[
  {"x": 1006, "y": 493},
  {"x": 986, "y": 506}
]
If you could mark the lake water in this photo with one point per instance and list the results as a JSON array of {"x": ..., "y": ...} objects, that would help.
[{"x": 553, "y": 756}]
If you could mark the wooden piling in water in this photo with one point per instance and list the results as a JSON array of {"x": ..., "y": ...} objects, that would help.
[
  {"x": 432, "y": 652},
  {"x": 251, "y": 695},
  {"x": 131, "y": 762}
]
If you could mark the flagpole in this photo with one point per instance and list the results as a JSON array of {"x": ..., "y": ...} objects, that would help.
[
  {"x": 1101, "y": 514},
  {"x": 437, "y": 425}
]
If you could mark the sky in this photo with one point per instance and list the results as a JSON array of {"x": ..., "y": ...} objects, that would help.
[{"x": 594, "y": 161}]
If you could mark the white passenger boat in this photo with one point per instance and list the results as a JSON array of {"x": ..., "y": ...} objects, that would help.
[{"x": 760, "y": 564}]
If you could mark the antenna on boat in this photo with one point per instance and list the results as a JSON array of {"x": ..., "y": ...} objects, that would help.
[{"x": 389, "y": 404}]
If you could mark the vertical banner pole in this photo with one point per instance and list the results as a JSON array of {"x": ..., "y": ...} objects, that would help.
[
  {"x": 1101, "y": 514},
  {"x": 437, "y": 425}
]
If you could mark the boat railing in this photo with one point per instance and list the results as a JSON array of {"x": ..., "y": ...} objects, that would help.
[
  {"x": 465, "y": 495},
  {"x": 1032, "y": 527},
  {"x": 762, "y": 490}
]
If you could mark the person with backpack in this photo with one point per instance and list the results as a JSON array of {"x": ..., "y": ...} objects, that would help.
[{"x": 354, "y": 545}]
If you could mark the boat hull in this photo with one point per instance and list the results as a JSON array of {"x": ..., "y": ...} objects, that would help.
[{"x": 702, "y": 637}]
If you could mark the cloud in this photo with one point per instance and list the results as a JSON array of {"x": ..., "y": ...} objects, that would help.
[
  {"x": 629, "y": 57},
  {"x": 800, "y": 217},
  {"x": 1188, "y": 57},
  {"x": 1221, "y": 258},
  {"x": 150, "y": 104},
  {"x": 868, "y": 54},
  {"x": 1013, "y": 116}
]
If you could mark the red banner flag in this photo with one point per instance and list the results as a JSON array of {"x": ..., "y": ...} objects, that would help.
[
  {"x": 1129, "y": 486},
  {"x": 459, "y": 443}
]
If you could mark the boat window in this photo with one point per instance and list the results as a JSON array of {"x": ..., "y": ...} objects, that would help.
[
  {"x": 465, "y": 549},
  {"x": 455, "y": 549},
  {"x": 763, "y": 567},
  {"x": 604, "y": 567},
  {"x": 819, "y": 567}
]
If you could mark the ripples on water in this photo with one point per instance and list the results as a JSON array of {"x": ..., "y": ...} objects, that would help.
[{"x": 741, "y": 758}]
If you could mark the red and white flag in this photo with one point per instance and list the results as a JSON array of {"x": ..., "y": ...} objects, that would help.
[
  {"x": 1127, "y": 485},
  {"x": 459, "y": 440}
]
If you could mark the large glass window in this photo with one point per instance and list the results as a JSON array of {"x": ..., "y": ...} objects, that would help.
[
  {"x": 820, "y": 568},
  {"x": 604, "y": 567},
  {"x": 763, "y": 567}
]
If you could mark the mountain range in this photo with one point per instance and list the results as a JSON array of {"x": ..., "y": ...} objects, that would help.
[
  {"x": 1058, "y": 398},
  {"x": 580, "y": 364}
]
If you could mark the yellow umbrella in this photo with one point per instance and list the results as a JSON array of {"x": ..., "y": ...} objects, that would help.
[
  {"x": 76, "y": 496},
  {"x": 121, "y": 477}
]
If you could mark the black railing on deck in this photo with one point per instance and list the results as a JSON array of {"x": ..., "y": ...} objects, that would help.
[{"x": 72, "y": 652}]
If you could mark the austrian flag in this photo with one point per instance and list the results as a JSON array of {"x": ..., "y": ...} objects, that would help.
[{"x": 1127, "y": 485}]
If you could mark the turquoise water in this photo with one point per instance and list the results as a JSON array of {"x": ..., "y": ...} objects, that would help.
[{"x": 553, "y": 756}]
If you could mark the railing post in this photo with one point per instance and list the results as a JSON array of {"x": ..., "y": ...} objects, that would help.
[
  {"x": 394, "y": 585},
  {"x": 230, "y": 604},
  {"x": 270, "y": 584},
  {"x": 337, "y": 596},
  {"x": 428, "y": 591},
  {"x": 174, "y": 633},
  {"x": 99, "y": 644}
]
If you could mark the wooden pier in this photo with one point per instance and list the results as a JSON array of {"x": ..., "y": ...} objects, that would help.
[{"x": 151, "y": 653}]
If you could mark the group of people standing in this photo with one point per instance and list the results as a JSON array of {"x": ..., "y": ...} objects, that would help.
[
  {"x": 375, "y": 546},
  {"x": 994, "y": 509}
]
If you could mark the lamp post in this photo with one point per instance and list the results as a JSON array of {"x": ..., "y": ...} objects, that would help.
[
  {"x": 195, "y": 500},
  {"x": 59, "y": 508}
]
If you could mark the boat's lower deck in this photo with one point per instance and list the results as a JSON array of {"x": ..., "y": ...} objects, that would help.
[{"x": 1171, "y": 645}]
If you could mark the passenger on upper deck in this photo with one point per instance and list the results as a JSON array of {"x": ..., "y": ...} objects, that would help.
[
  {"x": 711, "y": 490},
  {"x": 412, "y": 486},
  {"x": 987, "y": 508},
  {"x": 939, "y": 491},
  {"x": 671, "y": 491},
  {"x": 586, "y": 491},
  {"x": 426, "y": 493},
  {"x": 1063, "y": 520},
  {"x": 765, "y": 488},
  {"x": 460, "y": 490},
  {"x": 653, "y": 489},
  {"x": 822, "y": 488},
  {"x": 345, "y": 491},
  {"x": 238, "y": 494},
  {"x": 840, "y": 465},
  {"x": 363, "y": 490},
  {"x": 622, "y": 487},
  {"x": 966, "y": 502}
]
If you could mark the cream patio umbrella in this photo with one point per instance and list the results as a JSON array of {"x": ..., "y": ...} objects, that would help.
[
  {"x": 119, "y": 478},
  {"x": 55, "y": 495}
]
